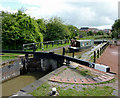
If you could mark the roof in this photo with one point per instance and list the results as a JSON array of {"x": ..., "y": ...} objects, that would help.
[
  {"x": 84, "y": 28},
  {"x": 83, "y": 40}
]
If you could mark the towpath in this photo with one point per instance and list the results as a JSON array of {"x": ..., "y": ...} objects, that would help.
[{"x": 110, "y": 58}]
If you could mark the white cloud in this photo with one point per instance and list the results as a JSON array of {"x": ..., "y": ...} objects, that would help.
[
  {"x": 7, "y": 9},
  {"x": 75, "y": 12},
  {"x": 102, "y": 27}
]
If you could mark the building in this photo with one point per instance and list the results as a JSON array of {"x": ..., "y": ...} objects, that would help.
[
  {"x": 86, "y": 29},
  {"x": 107, "y": 31},
  {"x": 94, "y": 30}
]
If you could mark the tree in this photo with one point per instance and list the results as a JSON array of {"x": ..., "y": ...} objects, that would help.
[
  {"x": 73, "y": 30},
  {"x": 56, "y": 30},
  {"x": 83, "y": 34},
  {"x": 90, "y": 33},
  {"x": 100, "y": 33},
  {"x": 116, "y": 29},
  {"x": 18, "y": 28}
]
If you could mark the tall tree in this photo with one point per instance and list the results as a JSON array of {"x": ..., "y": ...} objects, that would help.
[
  {"x": 55, "y": 29},
  {"x": 116, "y": 29},
  {"x": 18, "y": 28}
]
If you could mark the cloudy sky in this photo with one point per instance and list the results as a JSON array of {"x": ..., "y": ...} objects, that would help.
[{"x": 80, "y": 13}]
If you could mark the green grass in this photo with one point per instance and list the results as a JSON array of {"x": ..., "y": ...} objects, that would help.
[
  {"x": 50, "y": 47},
  {"x": 44, "y": 90},
  {"x": 5, "y": 58},
  {"x": 8, "y": 56}
]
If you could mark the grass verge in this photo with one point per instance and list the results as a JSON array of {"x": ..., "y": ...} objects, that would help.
[
  {"x": 8, "y": 56},
  {"x": 45, "y": 89}
]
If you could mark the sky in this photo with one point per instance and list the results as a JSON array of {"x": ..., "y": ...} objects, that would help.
[{"x": 80, "y": 13}]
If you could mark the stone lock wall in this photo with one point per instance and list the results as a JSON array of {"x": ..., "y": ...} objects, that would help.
[
  {"x": 15, "y": 67},
  {"x": 48, "y": 64},
  {"x": 10, "y": 69}
]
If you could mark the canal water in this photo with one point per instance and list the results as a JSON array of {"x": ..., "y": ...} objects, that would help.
[{"x": 13, "y": 85}]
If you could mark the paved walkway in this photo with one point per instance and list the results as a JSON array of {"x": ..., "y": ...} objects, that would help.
[{"x": 110, "y": 58}]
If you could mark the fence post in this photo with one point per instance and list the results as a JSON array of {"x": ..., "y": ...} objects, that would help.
[
  {"x": 61, "y": 42},
  {"x": 58, "y": 42},
  {"x": 34, "y": 47},
  {"x": 94, "y": 56},
  {"x": 40, "y": 45},
  {"x": 98, "y": 53},
  {"x": 47, "y": 45},
  {"x": 73, "y": 53},
  {"x": 53, "y": 44},
  {"x": 63, "y": 51},
  {"x": 23, "y": 47},
  {"x": 65, "y": 41}
]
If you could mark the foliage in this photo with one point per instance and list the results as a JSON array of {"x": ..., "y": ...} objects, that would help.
[
  {"x": 83, "y": 34},
  {"x": 100, "y": 33},
  {"x": 56, "y": 30},
  {"x": 73, "y": 30},
  {"x": 90, "y": 33},
  {"x": 42, "y": 26},
  {"x": 116, "y": 29},
  {"x": 19, "y": 28}
]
